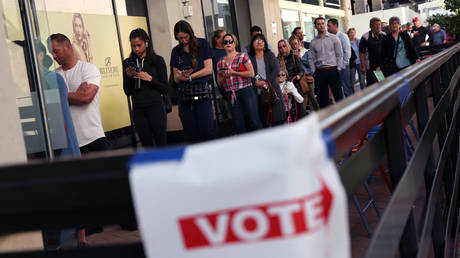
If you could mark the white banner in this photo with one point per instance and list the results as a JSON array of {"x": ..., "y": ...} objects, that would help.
[{"x": 272, "y": 193}]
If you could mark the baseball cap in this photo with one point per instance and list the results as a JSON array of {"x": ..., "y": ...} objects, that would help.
[{"x": 415, "y": 19}]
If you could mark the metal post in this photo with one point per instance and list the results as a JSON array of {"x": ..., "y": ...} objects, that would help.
[
  {"x": 35, "y": 73},
  {"x": 133, "y": 132},
  {"x": 408, "y": 245},
  {"x": 394, "y": 141}
]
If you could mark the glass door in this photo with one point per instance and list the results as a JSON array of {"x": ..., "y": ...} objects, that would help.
[{"x": 37, "y": 93}]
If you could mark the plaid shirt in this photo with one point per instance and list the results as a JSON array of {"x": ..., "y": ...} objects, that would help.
[{"x": 234, "y": 83}]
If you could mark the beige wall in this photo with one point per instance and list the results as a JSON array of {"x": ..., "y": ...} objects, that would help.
[
  {"x": 12, "y": 148},
  {"x": 263, "y": 13}
]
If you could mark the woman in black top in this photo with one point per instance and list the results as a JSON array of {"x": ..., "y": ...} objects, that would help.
[{"x": 145, "y": 80}]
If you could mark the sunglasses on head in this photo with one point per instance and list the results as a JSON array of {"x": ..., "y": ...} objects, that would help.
[{"x": 228, "y": 42}]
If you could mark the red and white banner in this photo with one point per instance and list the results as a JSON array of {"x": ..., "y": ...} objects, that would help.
[{"x": 273, "y": 193}]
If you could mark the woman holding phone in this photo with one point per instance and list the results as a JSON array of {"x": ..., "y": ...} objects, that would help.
[
  {"x": 235, "y": 74},
  {"x": 191, "y": 61},
  {"x": 145, "y": 80}
]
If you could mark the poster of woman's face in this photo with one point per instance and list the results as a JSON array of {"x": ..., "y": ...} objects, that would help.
[{"x": 81, "y": 39}]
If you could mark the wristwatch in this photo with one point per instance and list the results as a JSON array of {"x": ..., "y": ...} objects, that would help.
[{"x": 190, "y": 78}]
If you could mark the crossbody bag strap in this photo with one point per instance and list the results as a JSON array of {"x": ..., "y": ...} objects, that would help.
[{"x": 396, "y": 47}]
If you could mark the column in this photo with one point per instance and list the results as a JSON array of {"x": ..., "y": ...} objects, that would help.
[{"x": 266, "y": 14}]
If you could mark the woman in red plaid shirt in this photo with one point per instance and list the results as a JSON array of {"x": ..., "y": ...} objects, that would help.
[{"x": 235, "y": 74}]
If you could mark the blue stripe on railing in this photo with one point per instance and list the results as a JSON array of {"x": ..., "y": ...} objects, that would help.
[
  {"x": 403, "y": 89},
  {"x": 168, "y": 154},
  {"x": 330, "y": 142}
]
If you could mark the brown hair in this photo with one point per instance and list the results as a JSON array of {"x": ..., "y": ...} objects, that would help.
[
  {"x": 215, "y": 36},
  {"x": 185, "y": 27}
]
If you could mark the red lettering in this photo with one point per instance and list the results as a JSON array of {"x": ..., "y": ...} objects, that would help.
[{"x": 259, "y": 222}]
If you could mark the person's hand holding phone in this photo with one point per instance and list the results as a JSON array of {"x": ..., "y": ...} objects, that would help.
[{"x": 130, "y": 71}]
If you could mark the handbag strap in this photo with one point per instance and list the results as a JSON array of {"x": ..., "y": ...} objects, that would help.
[{"x": 396, "y": 47}]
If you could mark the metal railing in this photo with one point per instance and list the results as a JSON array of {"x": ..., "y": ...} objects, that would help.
[
  {"x": 381, "y": 104},
  {"x": 96, "y": 191}
]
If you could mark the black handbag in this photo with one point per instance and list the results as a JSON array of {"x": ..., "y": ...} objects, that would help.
[
  {"x": 389, "y": 65},
  {"x": 269, "y": 95},
  {"x": 195, "y": 93}
]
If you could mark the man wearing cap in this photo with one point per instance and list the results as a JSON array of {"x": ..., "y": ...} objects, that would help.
[
  {"x": 419, "y": 34},
  {"x": 439, "y": 35}
]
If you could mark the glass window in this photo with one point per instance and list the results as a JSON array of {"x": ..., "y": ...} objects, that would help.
[
  {"x": 332, "y": 4},
  {"x": 217, "y": 15},
  {"x": 309, "y": 26},
  {"x": 314, "y": 2},
  {"x": 289, "y": 20},
  {"x": 341, "y": 22}
]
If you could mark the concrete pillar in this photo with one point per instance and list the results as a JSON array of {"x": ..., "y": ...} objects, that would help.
[
  {"x": 346, "y": 7},
  {"x": 12, "y": 149},
  {"x": 163, "y": 15},
  {"x": 360, "y": 6},
  {"x": 266, "y": 14},
  {"x": 377, "y": 5}
]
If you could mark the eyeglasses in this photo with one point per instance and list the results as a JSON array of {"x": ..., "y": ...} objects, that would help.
[
  {"x": 259, "y": 41},
  {"x": 228, "y": 42},
  {"x": 281, "y": 75}
]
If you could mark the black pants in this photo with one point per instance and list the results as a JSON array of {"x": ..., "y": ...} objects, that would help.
[
  {"x": 370, "y": 77},
  {"x": 100, "y": 144},
  {"x": 151, "y": 124},
  {"x": 324, "y": 80}
]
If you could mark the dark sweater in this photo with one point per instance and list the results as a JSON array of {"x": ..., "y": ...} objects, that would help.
[
  {"x": 272, "y": 69},
  {"x": 389, "y": 44},
  {"x": 150, "y": 92}
]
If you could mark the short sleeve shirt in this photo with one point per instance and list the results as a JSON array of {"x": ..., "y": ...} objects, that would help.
[
  {"x": 239, "y": 63},
  {"x": 372, "y": 45},
  {"x": 181, "y": 59},
  {"x": 86, "y": 117}
]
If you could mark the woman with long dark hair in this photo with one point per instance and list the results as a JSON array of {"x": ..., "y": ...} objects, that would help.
[
  {"x": 191, "y": 61},
  {"x": 266, "y": 69},
  {"x": 145, "y": 80}
]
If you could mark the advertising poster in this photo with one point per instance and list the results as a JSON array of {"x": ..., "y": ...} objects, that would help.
[{"x": 94, "y": 39}]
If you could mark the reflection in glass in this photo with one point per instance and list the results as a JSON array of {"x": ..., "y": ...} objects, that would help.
[
  {"x": 217, "y": 15},
  {"x": 309, "y": 26},
  {"x": 289, "y": 20}
]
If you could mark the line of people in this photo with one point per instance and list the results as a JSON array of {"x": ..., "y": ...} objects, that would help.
[{"x": 257, "y": 86}]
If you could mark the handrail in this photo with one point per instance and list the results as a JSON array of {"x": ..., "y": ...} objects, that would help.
[{"x": 341, "y": 118}]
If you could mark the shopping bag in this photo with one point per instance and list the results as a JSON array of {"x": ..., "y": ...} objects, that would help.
[{"x": 272, "y": 193}]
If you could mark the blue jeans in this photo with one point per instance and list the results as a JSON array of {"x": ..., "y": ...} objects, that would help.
[
  {"x": 353, "y": 71},
  {"x": 245, "y": 106},
  {"x": 197, "y": 119},
  {"x": 348, "y": 89}
]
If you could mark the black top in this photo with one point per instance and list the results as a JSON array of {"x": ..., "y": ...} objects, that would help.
[
  {"x": 389, "y": 45},
  {"x": 373, "y": 46},
  {"x": 420, "y": 38},
  {"x": 294, "y": 66},
  {"x": 181, "y": 59},
  {"x": 149, "y": 92}
]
